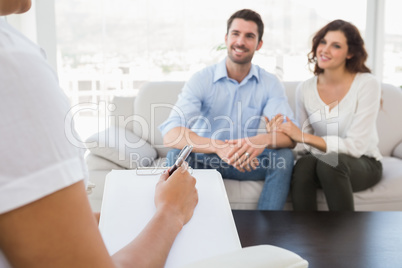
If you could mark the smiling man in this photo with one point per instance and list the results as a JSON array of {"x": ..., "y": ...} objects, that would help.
[{"x": 219, "y": 112}]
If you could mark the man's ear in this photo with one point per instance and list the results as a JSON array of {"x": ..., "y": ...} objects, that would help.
[
  {"x": 259, "y": 45},
  {"x": 226, "y": 38}
]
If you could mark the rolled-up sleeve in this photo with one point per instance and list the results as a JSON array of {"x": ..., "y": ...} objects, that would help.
[
  {"x": 278, "y": 103},
  {"x": 187, "y": 107}
]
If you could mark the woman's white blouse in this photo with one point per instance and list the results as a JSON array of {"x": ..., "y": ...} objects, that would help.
[{"x": 350, "y": 126}]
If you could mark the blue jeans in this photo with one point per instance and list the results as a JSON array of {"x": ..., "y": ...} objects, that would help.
[{"x": 275, "y": 169}]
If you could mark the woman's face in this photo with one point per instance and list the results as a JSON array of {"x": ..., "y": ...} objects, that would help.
[
  {"x": 8, "y": 7},
  {"x": 332, "y": 51}
]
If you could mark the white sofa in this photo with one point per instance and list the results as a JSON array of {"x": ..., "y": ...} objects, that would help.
[{"x": 133, "y": 139}]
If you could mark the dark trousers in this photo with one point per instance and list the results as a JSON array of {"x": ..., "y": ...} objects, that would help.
[{"x": 339, "y": 175}]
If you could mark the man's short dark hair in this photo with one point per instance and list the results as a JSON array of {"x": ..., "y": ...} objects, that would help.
[{"x": 248, "y": 15}]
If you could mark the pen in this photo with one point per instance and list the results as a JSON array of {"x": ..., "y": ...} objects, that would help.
[{"x": 182, "y": 157}]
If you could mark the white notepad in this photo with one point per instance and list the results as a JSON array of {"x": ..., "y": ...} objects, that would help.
[{"x": 128, "y": 204}]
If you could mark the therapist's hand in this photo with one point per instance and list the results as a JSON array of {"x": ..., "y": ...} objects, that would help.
[{"x": 176, "y": 196}]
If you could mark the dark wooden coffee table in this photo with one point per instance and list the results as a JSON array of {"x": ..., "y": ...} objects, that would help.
[{"x": 327, "y": 239}]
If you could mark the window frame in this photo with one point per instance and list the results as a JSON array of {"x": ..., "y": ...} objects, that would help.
[{"x": 40, "y": 25}]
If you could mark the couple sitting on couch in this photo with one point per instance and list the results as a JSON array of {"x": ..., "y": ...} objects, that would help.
[{"x": 220, "y": 107}]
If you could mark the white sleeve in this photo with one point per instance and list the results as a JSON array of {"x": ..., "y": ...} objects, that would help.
[
  {"x": 359, "y": 137},
  {"x": 301, "y": 112},
  {"x": 36, "y": 158},
  {"x": 302, "y": 118}
]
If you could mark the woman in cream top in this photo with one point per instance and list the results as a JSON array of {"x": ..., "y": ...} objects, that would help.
[{"x": 337, "y": 111}]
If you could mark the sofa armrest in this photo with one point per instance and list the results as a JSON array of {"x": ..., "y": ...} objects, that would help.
[
  {"x": 122, "y": 147},
  {"x": 97, "y": 163},
  {"x": 397, "y": 152}
]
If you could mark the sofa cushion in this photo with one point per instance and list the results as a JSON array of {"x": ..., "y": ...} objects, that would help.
[
  {"x": 398, "y": 151},
  {"x": 389, "y": 189},
  {"x": 290, "y": 88},
  {"x": 390, "y": 134},
  {"x": 243, "y": 194},
  {"x": 120, "y": 111},
  {"x": 95, "y": 162},
  {"x": 122, "y": 147},
  {"x": 385, "y": 195},
  {"x": 152, "y": 107}
]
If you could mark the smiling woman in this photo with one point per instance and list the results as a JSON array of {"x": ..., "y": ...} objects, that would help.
[{"x": 346, "y": 158}]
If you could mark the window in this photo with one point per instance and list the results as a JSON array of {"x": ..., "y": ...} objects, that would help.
[
  {"x": 392, "y": 70},
  {"x": 112, "y": 47}
]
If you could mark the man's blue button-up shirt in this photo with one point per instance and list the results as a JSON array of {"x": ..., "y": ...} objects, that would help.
[{"x": 215, "y": 106}]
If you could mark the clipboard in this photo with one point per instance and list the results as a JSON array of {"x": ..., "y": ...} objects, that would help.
[
  {"x": 128, "y": 205},
  {"x": 151, "y": 171}
]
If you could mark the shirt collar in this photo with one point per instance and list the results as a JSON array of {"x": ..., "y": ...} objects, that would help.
[{"x": 221, "y": 72}]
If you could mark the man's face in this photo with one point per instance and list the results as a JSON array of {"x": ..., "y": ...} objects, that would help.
[{"x": 242, "y": 41}]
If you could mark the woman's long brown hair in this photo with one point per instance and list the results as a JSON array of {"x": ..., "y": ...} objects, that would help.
[{"x": 355, "y": 47}]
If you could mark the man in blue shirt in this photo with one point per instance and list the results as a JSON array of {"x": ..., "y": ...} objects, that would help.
[{"x": 219, "y": 112}]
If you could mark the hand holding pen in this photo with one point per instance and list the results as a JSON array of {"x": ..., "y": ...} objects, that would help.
[
  {"x": 176, "y": 194},
  {"x": 181, "y": 159}
]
